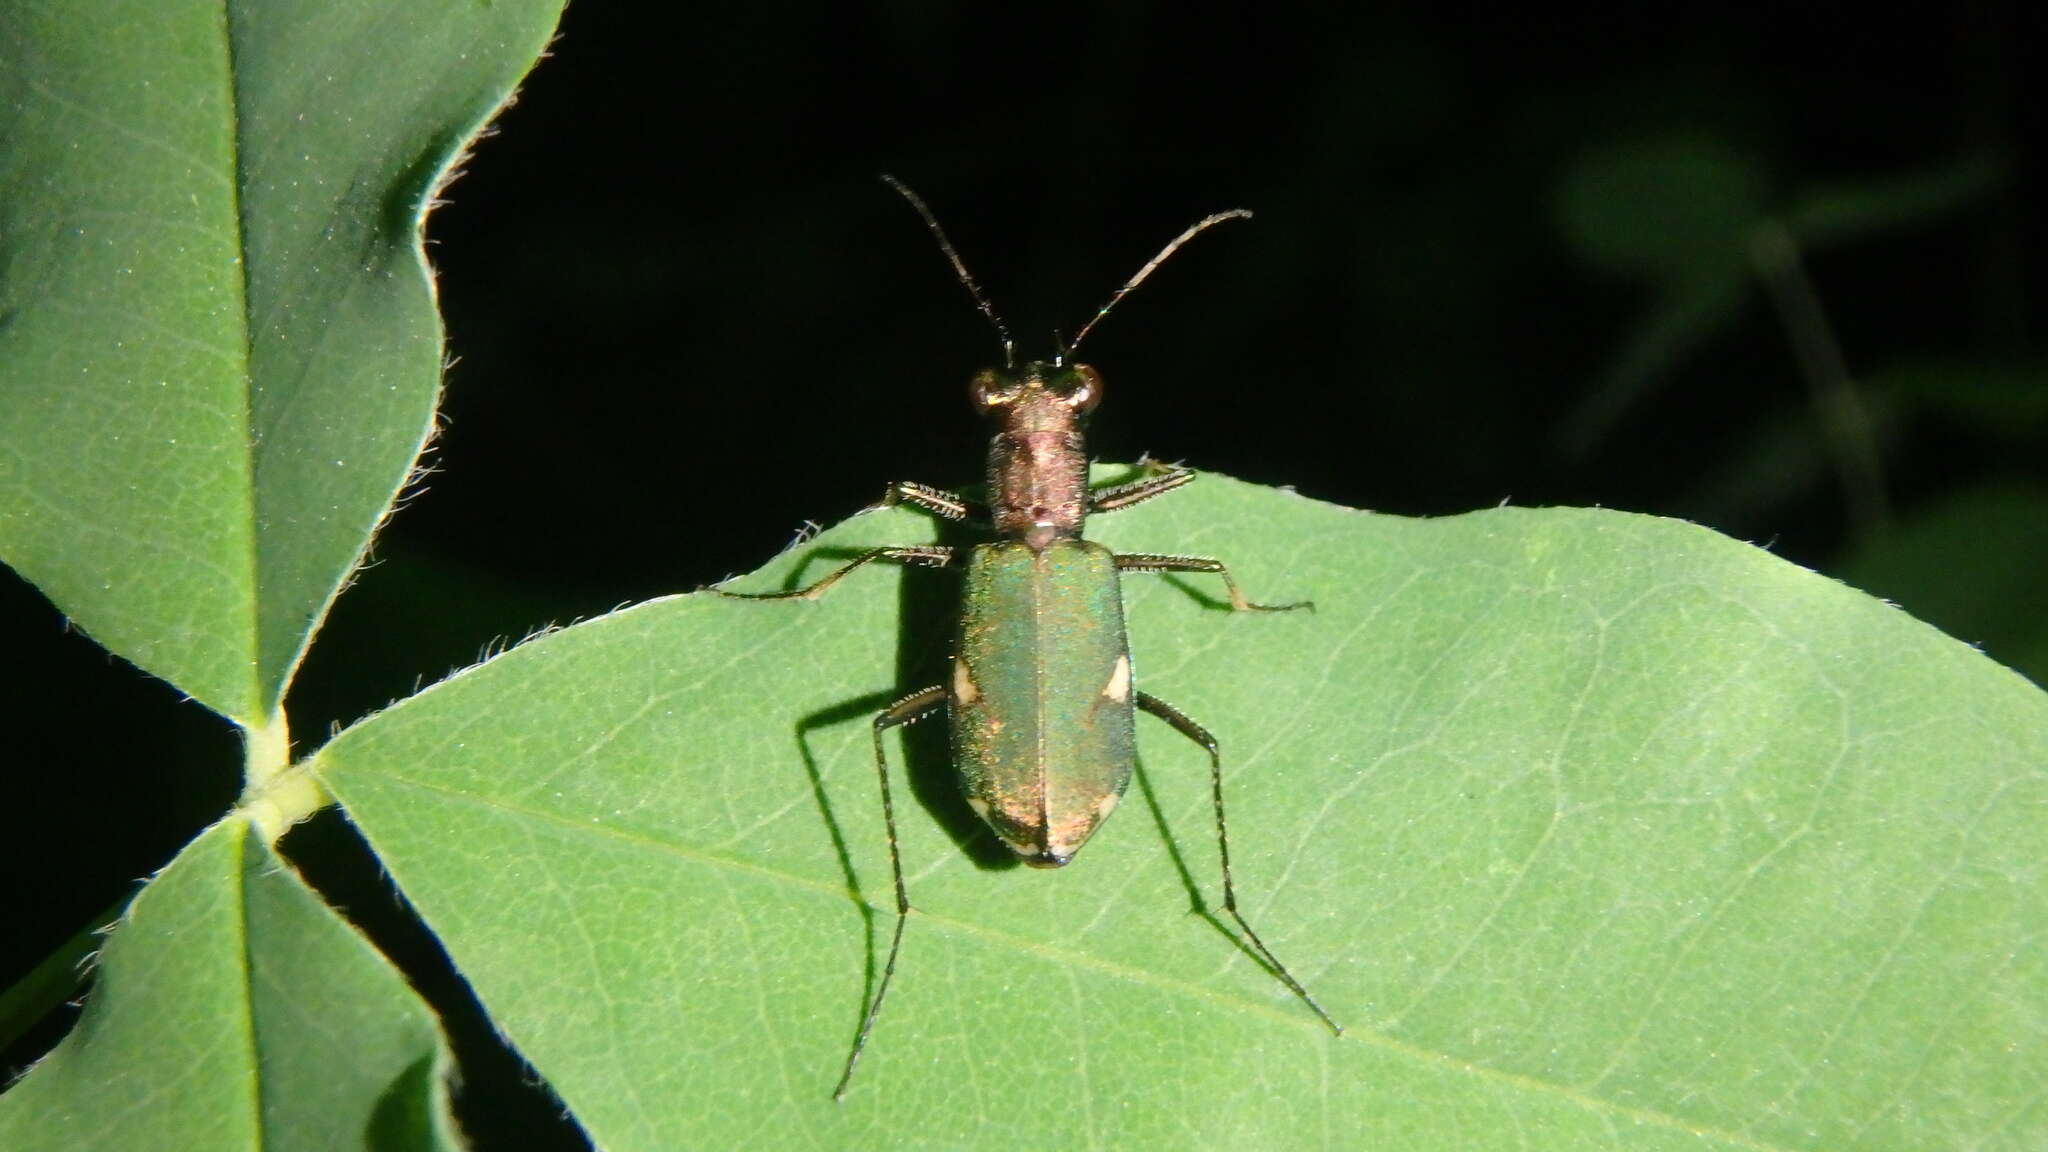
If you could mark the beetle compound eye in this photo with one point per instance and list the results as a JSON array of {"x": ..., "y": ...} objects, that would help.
[
  {"x": 1086, "y": 391},
  {"x": 991, "y": 390}
]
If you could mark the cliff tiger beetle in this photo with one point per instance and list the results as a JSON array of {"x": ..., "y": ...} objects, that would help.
[{"x": 1040, "y": 696}]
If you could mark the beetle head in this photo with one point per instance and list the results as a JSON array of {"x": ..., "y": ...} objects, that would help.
[{"x": 1006, "y": 394}]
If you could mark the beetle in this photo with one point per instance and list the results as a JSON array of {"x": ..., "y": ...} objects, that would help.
[{"x": 1040, "y": 695}]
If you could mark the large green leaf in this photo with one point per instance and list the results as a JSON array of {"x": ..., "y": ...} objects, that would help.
[
  {"x": 1594, "y": 829},
  {"x": 1973, "y": 560},
  {"x": 218, "y": 348},
  {"x": 233, "y": 1010}
]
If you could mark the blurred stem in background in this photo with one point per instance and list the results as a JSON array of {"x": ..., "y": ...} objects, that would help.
[{"x": 1845, "y": 424}]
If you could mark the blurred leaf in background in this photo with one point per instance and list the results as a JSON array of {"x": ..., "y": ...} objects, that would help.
[{"x": 1691, "y": 219}]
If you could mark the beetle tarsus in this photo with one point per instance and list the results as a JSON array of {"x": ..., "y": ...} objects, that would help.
[
  {"x": 909, "y": 710},
  {"x": 1161, "y": 562},
  {"x": 924, "y": 555},
  {"x": 1186, "y": 726},
  {"x": 1153, "y": 483},
  {"x": 937, "y": 501}
]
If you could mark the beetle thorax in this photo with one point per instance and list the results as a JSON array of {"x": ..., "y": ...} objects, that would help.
[{"x": 1037, "y": 460}]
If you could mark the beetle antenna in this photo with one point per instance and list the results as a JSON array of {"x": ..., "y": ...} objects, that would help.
[
  {"x": 1194, "y": 230},
  {"x": 960, "y": 269}
]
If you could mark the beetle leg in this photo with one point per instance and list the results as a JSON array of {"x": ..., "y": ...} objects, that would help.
[
  {"x": 1200, "y": 735},
  {"x": 908, "y": 710},
  {"x": 937, "y": 501},
  {"x": 1155, "y": 562},
  {"x": 928, "y": 555},
  {"x": 1138, "y": 491}
]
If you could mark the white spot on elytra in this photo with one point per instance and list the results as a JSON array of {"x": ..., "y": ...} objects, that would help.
[
  {"x": 964, "y": 691},
  {"x": 1119, "y": 686}
]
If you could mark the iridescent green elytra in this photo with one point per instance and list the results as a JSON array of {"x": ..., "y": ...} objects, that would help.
[
  {"x": 1040, "y": 700},
  {"x": 1040, "y": 693}
]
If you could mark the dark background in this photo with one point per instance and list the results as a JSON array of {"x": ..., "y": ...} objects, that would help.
[{"x": 1495, "y": 259}]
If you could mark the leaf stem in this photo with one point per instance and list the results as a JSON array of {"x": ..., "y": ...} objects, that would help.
[
  {"x": 1844, "y": 421},
  {"x": 276, "y": 793},
  {"x": 57, "y": 977}
]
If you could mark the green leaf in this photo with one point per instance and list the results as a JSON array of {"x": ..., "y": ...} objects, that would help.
[
  {"x": 1840, "y": 212},
  {"x": 1668, "y": 208},
  {"x": 1679, "y": 212},
  {"x": 1998, "y": 401},
  {"x": 218, "y": 347},
  {"x": 1595, "y": 829},
  {"x": 232, "y": 1009},
  {"x": 1974, "y": 561},
  {"x": 1670, "y": 331}
]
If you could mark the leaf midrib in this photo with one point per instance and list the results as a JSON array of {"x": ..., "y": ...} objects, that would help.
[
  {"x": 1413, "y": 1051},
  {"x": 253, "y": 686}
]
